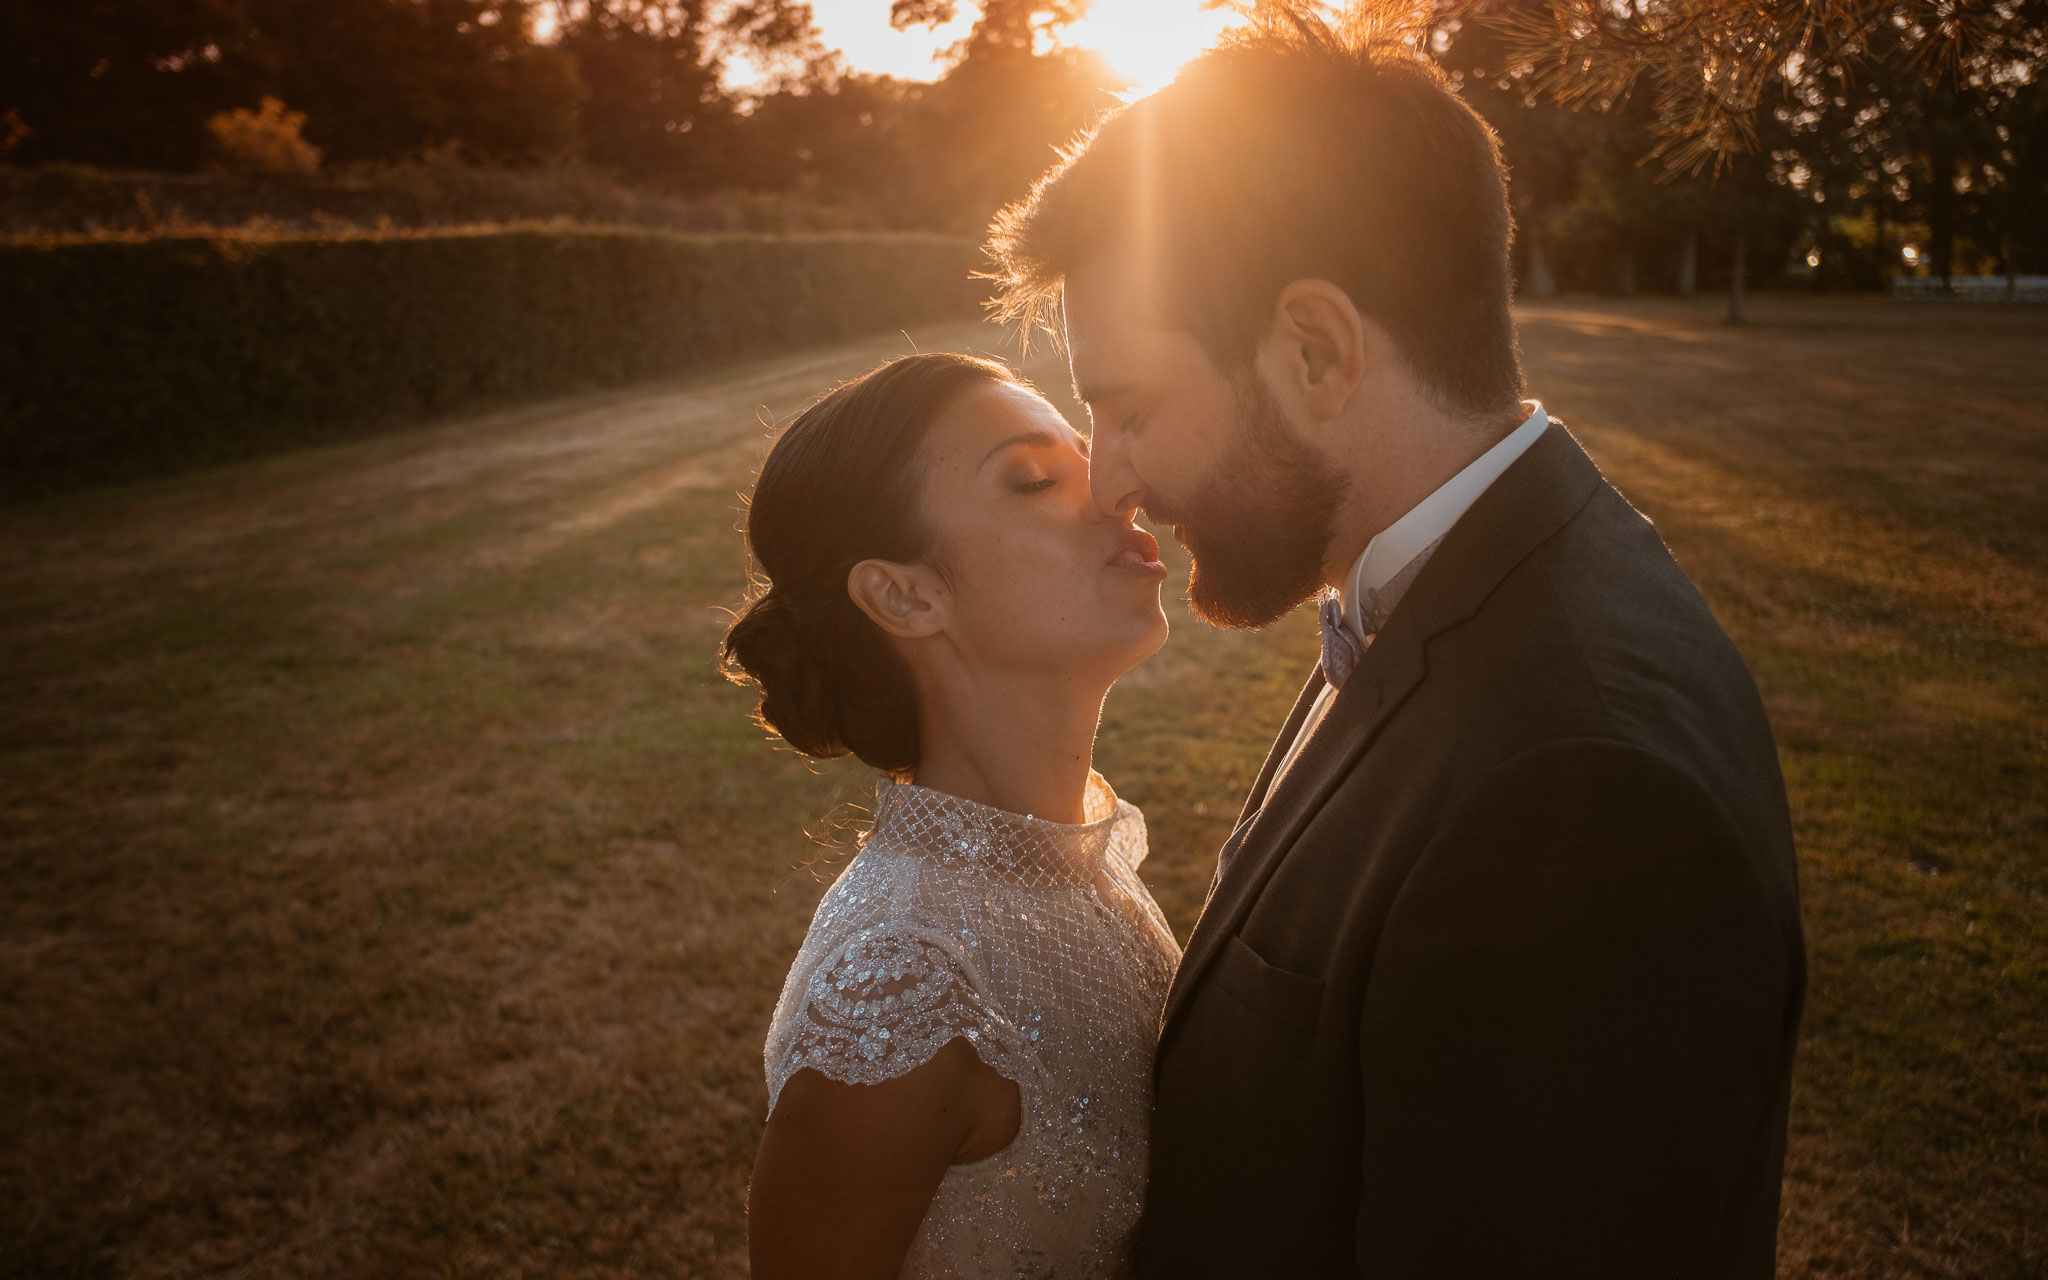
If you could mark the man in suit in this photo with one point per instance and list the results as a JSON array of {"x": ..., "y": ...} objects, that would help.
[{"x": 1501, "y": 970}]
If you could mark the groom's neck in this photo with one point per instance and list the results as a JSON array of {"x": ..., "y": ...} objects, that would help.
[{"x": 1400, "y": 449}]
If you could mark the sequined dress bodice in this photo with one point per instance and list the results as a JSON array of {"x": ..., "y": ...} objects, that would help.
[{"x": 1037, "y": 943}]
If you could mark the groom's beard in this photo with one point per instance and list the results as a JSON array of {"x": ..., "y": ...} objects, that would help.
[{"x": 1260, "y": 522}]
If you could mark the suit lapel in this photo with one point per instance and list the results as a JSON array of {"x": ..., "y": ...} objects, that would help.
[
  {"x": 1532, "y": 500},
  {"x": 1386, "y": 674}
]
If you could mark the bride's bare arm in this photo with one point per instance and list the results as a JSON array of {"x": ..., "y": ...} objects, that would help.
[{"x": 846, "y": 1171}]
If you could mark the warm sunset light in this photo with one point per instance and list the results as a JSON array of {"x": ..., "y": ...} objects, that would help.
[
  {"x": 1148, "y": 41},
  {"x": 1145, "y": 41},
  {"x": 860, "y": 31},
  {"x": 602, "y": 601}
]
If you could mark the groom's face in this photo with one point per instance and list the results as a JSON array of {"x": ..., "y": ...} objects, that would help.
[{"x": 1209, "y": 453}]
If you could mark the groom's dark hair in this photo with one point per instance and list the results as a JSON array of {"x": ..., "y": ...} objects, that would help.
[{"x": 1290, "y": 153}]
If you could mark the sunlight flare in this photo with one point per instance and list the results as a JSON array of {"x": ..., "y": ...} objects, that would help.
[{"x": 1149, "y": 41}]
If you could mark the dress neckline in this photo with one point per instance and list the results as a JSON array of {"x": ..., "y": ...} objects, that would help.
[{"x": 955, "y": 832}]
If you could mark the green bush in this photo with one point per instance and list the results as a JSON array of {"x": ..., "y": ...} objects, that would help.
[{"x": 122, "y": 358}]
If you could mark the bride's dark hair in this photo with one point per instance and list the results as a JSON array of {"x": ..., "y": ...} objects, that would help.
[{"x": 841, "y": 486}]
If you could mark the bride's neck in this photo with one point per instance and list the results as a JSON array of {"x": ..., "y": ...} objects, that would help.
[{"x": 1018, "y": 744}]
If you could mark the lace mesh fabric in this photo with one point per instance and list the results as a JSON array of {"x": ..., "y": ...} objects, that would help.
[{"x": 1037, "y": 943}]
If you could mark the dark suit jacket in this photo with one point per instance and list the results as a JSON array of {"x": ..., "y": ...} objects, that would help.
[{"x": 1504, "y": 977}]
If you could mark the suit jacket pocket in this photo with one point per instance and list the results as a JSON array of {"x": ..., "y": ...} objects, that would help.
[{"x": 1287, "y": 999}]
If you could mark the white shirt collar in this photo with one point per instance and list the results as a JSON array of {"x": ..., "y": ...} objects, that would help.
[{"x": 1430, "y": 519}]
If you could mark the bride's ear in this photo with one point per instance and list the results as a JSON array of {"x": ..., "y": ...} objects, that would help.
[{"x": 906, "y": 601}]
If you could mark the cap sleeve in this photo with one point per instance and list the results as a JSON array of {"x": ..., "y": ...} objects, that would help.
[
  {"x": 882, "y": 1004},
  {"x": 1129, "y": 844}
]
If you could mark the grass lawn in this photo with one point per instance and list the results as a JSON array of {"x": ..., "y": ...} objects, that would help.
[{"x": 389, "y": 886}]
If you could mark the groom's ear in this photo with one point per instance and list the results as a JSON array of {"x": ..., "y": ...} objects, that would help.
[
  {"x": 1317, "y": 348},
  {"x": 906, "y": 601}
]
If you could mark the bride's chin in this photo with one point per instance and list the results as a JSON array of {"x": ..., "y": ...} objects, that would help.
[{"x": 1154, "y": 641}]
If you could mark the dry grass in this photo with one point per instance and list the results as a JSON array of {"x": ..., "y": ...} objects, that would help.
[{"x": 392, "y": 888}]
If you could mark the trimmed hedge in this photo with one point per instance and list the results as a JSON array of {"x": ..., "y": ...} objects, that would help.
[{"x": 123, "y": 358}]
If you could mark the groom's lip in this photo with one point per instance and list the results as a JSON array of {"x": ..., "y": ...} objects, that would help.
[{"x": 1167, "y": 519}]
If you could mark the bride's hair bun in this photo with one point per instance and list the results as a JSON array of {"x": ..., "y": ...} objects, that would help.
[
  {"x": 841, "y": 486},
  {"x": 767, "y": 643}
]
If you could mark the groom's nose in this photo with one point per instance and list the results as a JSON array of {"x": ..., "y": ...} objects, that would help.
[{"x": 1111, "y": 481}]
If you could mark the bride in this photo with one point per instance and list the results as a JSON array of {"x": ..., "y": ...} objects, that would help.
[{"x": 959, "y": 1069}]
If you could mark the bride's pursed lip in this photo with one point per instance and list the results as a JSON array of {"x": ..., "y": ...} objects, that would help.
[
  {"x": 1150, "y": 569},
  {"x": 1138, "y": 552}
]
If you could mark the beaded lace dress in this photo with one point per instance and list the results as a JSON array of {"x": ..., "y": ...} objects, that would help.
[{"x": 1037, "y": 943}]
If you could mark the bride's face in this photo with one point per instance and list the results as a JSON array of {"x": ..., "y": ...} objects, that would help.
[{"x": 1035, "y": 577}]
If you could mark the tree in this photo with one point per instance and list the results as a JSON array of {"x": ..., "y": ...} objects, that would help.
[
  {"x": 115, "y": 82},
  {"x": 267, "y": 140},
  {"x": 133, "y": 82},
  {"x": 838, "y": 138},
  {"x": 387, "y": 78},
  {"x": 943, "y": 155},
  {"x": 1005, "y": 26},
  {"x": 652, "y": 83},
  {"x": 1935, "y": 77}
]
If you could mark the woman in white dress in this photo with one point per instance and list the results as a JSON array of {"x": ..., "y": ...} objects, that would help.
[{"x": 959, "y": 1070}]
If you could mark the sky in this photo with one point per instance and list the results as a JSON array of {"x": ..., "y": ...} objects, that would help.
[{"x": 1145, "y": 40}]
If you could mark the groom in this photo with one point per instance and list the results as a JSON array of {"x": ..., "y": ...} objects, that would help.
[{"x": 1501, "y": 971}]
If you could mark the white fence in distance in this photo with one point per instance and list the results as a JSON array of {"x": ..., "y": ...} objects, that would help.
[{"x": 1970, "y": 289}]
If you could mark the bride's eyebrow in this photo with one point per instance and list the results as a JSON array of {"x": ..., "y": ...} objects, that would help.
[{"x": 1037, "y": 439}]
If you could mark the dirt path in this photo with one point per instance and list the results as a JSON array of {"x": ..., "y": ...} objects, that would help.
[{"x": 551, "y": 471}]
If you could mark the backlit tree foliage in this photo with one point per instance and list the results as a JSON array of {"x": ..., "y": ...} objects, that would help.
[
  {"x": 1651, "y": 142},
  {"x": 1872, "y": 111}
]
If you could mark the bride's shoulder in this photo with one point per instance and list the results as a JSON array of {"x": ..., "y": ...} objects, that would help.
[
  {"x": 873, "y": 1002},
  {"x": 880, "y": 901},
  {"x": 1128, "y": 843},
  {"x": 877, "y": 885}
]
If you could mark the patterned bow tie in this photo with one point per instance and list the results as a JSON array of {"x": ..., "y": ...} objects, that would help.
[{"x": 1341, "y": 649}]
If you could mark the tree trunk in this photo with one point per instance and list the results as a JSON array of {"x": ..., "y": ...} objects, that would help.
[
  {"x": 1689, "y": 265},
  {"x": 1625, "y": 273},
  {"x": 1735, "y": 311},
  {"x": 1541, "y": 283},
  {"x": 1941, "y": 204}
]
